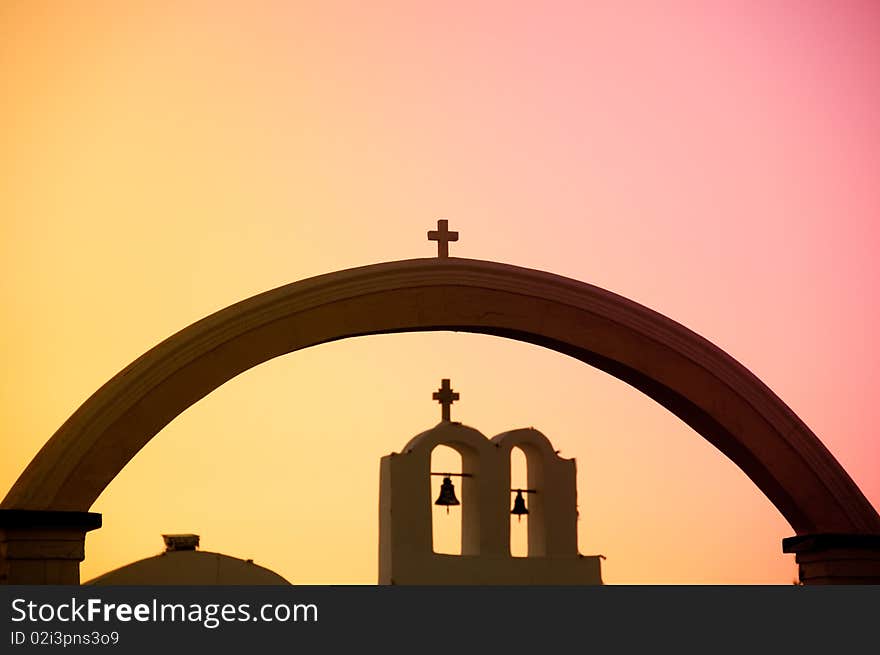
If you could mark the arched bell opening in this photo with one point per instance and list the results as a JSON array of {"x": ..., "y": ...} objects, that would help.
[
  {"x": 528, "y": 530},
  {"x": 519, "y": 504},
  {"x": 447, "y": 494}
]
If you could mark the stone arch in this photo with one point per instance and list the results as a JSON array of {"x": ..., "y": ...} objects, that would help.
[{"x": 688, "y": 375}]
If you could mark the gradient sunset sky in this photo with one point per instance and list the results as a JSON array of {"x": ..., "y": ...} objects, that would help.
[{"x": 715, "y": 161}]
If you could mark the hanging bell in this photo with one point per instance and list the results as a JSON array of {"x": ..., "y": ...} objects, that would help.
[
  {"x": 519, "y": 505},
  {"x": 447, "y": 495}
]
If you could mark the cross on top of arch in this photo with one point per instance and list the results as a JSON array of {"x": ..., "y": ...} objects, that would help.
[{"x": 442, "y": 236}]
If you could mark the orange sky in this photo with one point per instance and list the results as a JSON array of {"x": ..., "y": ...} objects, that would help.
[{"x": 716, "y": 163}]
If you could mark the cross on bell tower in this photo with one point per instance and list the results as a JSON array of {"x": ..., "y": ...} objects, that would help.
[
  {"x": 442, "y": 236},
  {"x": 445, "y": 396}
]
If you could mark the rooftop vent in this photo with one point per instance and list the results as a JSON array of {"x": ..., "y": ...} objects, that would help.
[{"x": 180, "y": 542}]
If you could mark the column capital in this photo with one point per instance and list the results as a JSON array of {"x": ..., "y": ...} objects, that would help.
[{"x": 35, "y": 519}]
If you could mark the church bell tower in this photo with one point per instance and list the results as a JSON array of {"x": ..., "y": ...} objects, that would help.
[{"x": 406, "y": 553}]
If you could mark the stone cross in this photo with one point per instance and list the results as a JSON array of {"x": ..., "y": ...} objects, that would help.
[
  {"x": 445, "y": 396},
  {"x": 442, "y": 236}
]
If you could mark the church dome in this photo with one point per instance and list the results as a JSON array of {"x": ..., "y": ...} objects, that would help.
[{"x": 182, "y": 564}]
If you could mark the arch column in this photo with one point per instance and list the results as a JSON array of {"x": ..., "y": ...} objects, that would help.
[
  {"x": 43, "y": 547},
  {"x": 836, "y": 558}
]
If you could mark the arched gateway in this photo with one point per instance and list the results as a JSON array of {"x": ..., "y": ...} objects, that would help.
[{"x": 45, "y": 515}]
